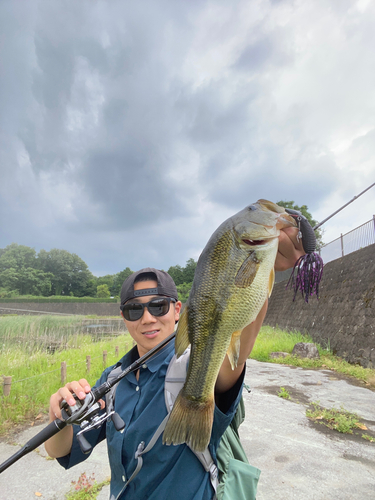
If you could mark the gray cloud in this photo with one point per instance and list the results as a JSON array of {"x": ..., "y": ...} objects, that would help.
[{"x": 130, "y": 131}]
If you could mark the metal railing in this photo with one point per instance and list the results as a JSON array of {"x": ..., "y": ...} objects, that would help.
[{"x": 358, "y": 238}]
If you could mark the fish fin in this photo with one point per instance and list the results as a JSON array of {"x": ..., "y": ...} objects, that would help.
[
  {"x": 271, "y": 282},
  {"x": 182, "y": 335},
  {"x": 234, "y": 348},
  {"x": 190, "y": 422},
  {"x": 247, "y": 272}
]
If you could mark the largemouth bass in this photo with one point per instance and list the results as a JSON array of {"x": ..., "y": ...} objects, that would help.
[{"x": 233, "y": 278}]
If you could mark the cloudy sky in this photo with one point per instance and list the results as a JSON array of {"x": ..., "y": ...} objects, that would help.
[{"x": 129, "y": 130}]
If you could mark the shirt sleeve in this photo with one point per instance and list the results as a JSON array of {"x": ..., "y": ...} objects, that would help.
[
  {"x": 225, "y": 400},
  {"x": 76, "y": 456},
  {"x": 93, "y": 436}
]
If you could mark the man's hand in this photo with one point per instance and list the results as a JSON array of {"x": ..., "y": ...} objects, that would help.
[{"x": 290, "y": 250}]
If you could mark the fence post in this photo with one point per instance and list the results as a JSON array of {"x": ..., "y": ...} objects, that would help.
[
  {"x": 7, "y": 385},
  {"x": 373, "y": 217},
  {"x": 116, "y": 351},
  {"x": 63, "y": 372},
  {"x": 88, "y": 363},
  {"x": 342, "y": 245},
  {"x": 104, "y": 359}
]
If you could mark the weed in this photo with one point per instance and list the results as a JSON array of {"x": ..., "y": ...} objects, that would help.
[
  {"x": 283, "y": 393},
  {"x": 86, "y": 488},
  {"x": 340, "y": 420},
  {"x": 368, "y": 438}
]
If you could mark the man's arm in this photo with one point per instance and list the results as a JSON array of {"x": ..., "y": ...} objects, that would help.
[{"x": 288, "y": 253}]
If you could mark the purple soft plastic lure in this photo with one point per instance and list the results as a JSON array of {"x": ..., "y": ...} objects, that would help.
[{"x": 309, "y": 270}]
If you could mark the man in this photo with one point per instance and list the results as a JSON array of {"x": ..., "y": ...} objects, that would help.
[{"x": 150, "y": 308}]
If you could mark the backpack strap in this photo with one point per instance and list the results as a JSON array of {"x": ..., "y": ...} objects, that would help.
[{"x": 174, "y": 381}]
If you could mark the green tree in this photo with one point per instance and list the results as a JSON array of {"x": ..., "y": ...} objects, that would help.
[
  {"x": 177, "y": 274},
  {"x": 102, "y": 291},
  {"x": 183, "y": 291},
  {"x": 17, "y": 257},
  {"x": 70, "y": 272},
  {"x": 119, "y": 279},
  {"x": 18, "y": 271},
  {"x": 189, "y": 271},
  {"x": 304, "y": 211}
]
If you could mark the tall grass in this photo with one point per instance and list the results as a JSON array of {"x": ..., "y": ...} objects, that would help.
[
  {"x": 36, "y": 371},
  {"x": 37, "y": 332}
]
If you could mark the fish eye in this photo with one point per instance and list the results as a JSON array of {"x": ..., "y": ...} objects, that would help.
[{"x": 252, "y": 207}]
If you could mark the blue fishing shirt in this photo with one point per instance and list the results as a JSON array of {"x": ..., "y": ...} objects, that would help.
[{"x": 168, "y": 472}]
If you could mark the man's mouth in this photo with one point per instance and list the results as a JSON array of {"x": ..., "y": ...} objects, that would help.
[{"x": 151, "y": 333}]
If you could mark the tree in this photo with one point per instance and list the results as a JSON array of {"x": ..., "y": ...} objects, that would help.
[
  {"x": 183, "y": 291},
  {"x": 18, "y": 271},
  {"x": 102, "y": 291},
  {"x": 119, "y": 280},
  {"x": 17, "y": 257},
  {"x": 189, "y": 271},
  {"x": 70, "y": 272},
  {"x": 177, "y": 274},
  {"x": 304, "y": 211}
]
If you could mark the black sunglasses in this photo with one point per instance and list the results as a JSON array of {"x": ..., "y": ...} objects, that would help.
[{"x": 156, "y": 307}]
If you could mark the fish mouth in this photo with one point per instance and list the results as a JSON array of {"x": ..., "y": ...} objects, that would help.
[{"x": 256, "y": 243}]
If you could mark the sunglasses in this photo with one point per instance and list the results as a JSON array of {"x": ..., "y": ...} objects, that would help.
[{"x": 156, "y": 307}]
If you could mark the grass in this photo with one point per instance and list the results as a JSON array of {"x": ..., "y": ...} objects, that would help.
[
  {"x": 86, "y": 488},
  {"x": 283, "y": 393},
  {"x": 339, "y": 420},
  {"x": 36, "y": 371},
  {"x": 33, "y": 333},
  {"x": 273, "y": 340}
]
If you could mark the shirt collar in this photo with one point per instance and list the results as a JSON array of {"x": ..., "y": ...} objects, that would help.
[{"x": 154, "y": 363}]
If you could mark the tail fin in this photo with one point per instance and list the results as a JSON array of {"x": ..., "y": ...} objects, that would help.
[{"x": 190, "y": 422}]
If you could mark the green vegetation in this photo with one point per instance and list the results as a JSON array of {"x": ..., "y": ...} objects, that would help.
[
  {"x": 32, "y": 351},
  {"x": 58, "y": 273},
  {"x": 283, "y": 393},
  {"x": 273, "y": 339},
  {"x": 368, "y": 438},
  {"x": 86, "y": 488},
  {"x": 339, "y": 420},
  {"x": 183, "y": 277},
  {"x": 102, "y": 291},
  {"x": 55, "y": 298}
]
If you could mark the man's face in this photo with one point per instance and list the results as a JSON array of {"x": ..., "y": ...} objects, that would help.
[{"x": 149, "y": 331}]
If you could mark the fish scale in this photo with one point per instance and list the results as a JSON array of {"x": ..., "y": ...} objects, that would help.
[{"x": 233, "y": 278}]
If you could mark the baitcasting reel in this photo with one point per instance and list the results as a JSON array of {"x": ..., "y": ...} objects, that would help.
[{"x": 85, "y": 413}]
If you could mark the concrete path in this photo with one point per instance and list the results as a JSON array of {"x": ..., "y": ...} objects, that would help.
[{"x": 299, "y": 460}]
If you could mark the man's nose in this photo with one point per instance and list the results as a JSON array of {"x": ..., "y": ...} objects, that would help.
[{"x": 147, "y": 317}]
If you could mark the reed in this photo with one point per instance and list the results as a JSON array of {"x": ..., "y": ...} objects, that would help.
[{"x": 36, "y": 370}]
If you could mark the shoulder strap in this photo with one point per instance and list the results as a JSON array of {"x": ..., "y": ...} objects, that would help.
[{"x": 174, "y": 381}]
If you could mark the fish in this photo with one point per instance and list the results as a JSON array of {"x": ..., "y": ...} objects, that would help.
[{"x": 233, "y": 278}]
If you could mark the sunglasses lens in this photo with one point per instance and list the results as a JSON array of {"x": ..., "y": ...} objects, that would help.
[
  {"x": 158, "y": 307},
  {"x": 132, "y": 312}
]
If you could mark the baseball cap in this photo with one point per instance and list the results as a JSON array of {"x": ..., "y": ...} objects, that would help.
[{"x": 166, "y": 285}]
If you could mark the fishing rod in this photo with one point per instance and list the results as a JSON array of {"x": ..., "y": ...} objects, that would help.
[
  {"x": 339, "y": 210},
  {"x": 85, "y": 412}
]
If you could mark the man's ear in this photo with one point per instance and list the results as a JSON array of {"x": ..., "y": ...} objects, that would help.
[{"x": 177, "y": 309}]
